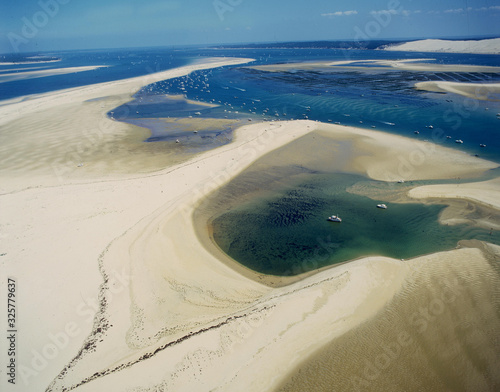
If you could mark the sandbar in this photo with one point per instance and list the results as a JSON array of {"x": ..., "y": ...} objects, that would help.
[
  {"x": 417, "y": 65},
  {"x": 9, "y": 77},
  {"x": 481, "y": 91},
  {"x": 110, "y": 259}
]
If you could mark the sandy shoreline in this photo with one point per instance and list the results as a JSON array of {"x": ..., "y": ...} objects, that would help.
[
  {"x": 482, "y": 91},
  {"x": 69, "y": 128},
  {"x": 170, "y": 314},
  {"x": 9, "y": 77},
  {"x": 378, "y": 66}
]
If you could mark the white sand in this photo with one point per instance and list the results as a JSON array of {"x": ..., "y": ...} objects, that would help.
[
  {"x": 53, "y": 233},
  {"x": 161, "y": 283},
  {"x": 491, "y": 46},
  {"x": 486, "y": 193},
  {"x": 9, "y": 77},
  {"x": 419, "y": 65},
  {"x": 481, "y": 91}
]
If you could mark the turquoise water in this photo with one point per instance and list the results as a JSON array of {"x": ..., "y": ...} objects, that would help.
[{"x": 286, "y": 232}]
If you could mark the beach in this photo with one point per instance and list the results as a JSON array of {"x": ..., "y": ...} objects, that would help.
[{"x": 123, "y": 290}]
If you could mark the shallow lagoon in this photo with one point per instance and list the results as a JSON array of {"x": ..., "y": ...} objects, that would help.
[{"x": 286, "y": 232}]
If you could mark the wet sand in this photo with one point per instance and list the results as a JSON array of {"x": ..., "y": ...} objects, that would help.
[
  {"x": 481, "y": 91},
  {"x": 438, "y": 333}
]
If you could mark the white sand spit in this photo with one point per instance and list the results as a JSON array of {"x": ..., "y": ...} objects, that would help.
[
  {"x": 485, "y": 192},
  {"x": 9, "y": 77}
]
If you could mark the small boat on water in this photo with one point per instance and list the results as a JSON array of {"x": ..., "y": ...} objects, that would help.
[
  {"x": 416, "y": 132},
  {"x": 448, "y": 137},
  {"x": 482, "y": 145},
  {"x": 334, "y": 218},
  {"x": 401, "y": 181},
  {"x": 382, "y": 206},
  {"x": 459, "y": 141}
]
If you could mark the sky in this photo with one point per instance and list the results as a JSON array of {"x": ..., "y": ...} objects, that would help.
[{"x": 49, "y": 25}]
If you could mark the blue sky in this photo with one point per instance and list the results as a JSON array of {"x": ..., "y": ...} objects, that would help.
[{"x": 40, "y": 25}]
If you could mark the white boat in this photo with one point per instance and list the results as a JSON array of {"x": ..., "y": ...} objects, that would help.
[
  {"x": 334, "y": 218},
  {"x": 459, "y": 141},
  {"x": 383, "y": 206},
  {"x": 401, "y": 181},
  {"x": 482, "y": 145}
]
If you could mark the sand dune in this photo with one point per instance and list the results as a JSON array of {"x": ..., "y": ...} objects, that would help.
[{"x": 491, "y": 46}]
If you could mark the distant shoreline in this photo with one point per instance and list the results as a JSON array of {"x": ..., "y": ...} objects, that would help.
[{"x": 487, "y": 46}]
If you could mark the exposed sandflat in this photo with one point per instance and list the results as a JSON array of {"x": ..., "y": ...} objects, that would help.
[
  {"x": 418, "y": 65},
  {"x": 481, "y": 91},
  {"x": 9, "y": 77}
]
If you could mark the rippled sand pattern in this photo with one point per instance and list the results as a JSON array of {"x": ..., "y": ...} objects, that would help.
[{"x": 440, "y": 333}]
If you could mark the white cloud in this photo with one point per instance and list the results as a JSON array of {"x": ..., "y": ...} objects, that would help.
[
  {"x": 384, "y": 12},
  {"x": 341, "y": 13},
  {"x": 454, "y": 11},
  {"x": 492, "y": 8},
  {"x": 394, "y": 12},
  {"x": 468, "y": 9}
]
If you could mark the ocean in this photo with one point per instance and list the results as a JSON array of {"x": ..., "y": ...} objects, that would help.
[{"x": 279, "y": 229}]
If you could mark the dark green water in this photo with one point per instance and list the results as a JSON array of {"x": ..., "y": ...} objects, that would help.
[{"x": 287, "y": 232}]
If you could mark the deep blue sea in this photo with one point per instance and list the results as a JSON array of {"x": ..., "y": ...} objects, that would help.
[{"x": 281, "y": 236}]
